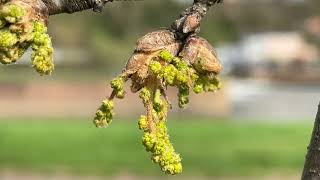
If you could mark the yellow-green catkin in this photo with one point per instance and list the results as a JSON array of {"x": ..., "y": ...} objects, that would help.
[
  {"x": 163, "y": 152},
  {"x": 166, "y": 56},
  {"x": 104, "y": 114},
  {"x": 7, "y": 46},
  {"x": 10, "y": 48},
  {"x": 145, "y": 95},
  {"x": 169, "y": 74},
  {"x": 117, "y": 84},
  {"x": 206, "y": 84},
  {"x": 173, "y": 71},
  {"x": 164, "y": 70},
  {"x": 7, "y": 39},
  {"x": 183, "y": 96},
  {"x": 160, "y": 106},
  {"x": 41, "y": 58},
  {"x": 156, "y": 140},
  {"x": 143, "y": 123},
  {"x": 18, "y": 32},
  {"x": 155, "y": 67},
  {"x": 12, "y": 13}
]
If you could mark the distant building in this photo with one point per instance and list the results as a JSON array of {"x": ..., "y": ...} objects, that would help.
[
  {"x": 267, "y": 51},
  {"x": 280, "y": 47}
]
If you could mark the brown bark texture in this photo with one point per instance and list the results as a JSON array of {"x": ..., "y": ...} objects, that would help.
[
  {"x": 311, "y": 169},
  {"x": 187, "y": 24},
  {"x": 72, "y": 6}
]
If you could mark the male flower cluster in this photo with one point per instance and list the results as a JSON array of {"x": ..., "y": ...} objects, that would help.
[
  {"x": 155, "y": 138},
  {"x": 21, "y": 27},
  {"x": 104, "y": 114}
]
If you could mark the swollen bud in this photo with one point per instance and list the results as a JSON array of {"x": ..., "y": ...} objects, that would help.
[
  {"x": 138, "y": 66},
  {"x": 148, "y": 48},
  {"x": 159, "y": 40},
  {"x": 198, "y": 52}
]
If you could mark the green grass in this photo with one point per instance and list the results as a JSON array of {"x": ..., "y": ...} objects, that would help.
[{"x": 208, "y": 148}]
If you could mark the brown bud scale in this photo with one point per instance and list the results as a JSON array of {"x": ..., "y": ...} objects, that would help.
[
  {"x": 157, "y": 40},
  {"x": 199, "y": 52}
]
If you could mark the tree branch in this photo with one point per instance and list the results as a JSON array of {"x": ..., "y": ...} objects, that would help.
[
  {"x": 188, "y": 23},
  {"x": 72, "y": 6},
  {"x": 190, "y": 19},
  {"x": 311, "y": 169}
]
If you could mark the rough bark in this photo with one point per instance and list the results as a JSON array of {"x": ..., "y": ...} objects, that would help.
[
  {"x": 187, "y": 24},
  {"x": 72, "y": 6},
  {"x": 189, "y": 21},
  {"x": 311, "y": 169}
]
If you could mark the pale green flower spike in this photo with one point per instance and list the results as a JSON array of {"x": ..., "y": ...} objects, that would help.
[
  {"x": 155, "y": 67},
  {"x": 142, "y": 123},
  {"x": 18, "y": 32},
  {"x": 163, "y": 70},
  {"x": 41, "y": 59},
  {"x": 145, "y": 95},
  {"x": 166, "y": 56},
  {"x": 10, "y": 50},
  {"x": 183, "y": 96},
  {"x": 117, "y": 85},
  {"x": 198, "y": 88},
  {"x": 39, "y": 27},
  {"x": 169, "y": 74},
  {"x": 157, "y": 101},
  {"x": 7, "y": 39},
  {"x": 206, "y": 84},
  {"x": 156, "y": 140},
  {"x": 12, "y": 13},
  {"x": 104, "y": 114}
]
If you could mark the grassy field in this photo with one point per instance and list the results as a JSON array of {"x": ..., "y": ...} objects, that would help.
[{"x": 208, "y": 148}]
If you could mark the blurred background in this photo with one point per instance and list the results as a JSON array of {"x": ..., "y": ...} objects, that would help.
[{"x": 256, "y": 127}]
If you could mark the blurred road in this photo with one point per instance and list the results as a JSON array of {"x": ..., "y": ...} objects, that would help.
[{"x": 252, "y": 99}]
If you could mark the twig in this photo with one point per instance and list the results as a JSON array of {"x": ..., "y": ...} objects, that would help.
[{"x": 72, "y": 6}]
